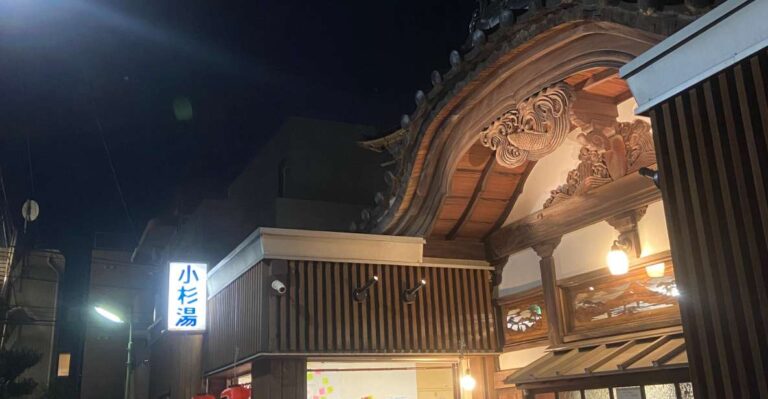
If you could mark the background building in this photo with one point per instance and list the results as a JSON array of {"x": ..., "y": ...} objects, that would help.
[
  {"x": 311, "y": 175},
  {"x": 30, "y": 293},
  {"x": 125, "y": 287}
]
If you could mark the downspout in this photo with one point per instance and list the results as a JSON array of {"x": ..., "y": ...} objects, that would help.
[{"x": 55, "y": 317}]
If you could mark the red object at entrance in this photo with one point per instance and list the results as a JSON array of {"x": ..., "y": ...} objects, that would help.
[{"x": 236, "y": 393}]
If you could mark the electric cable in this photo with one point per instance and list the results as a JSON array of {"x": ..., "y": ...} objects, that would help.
[{"x": 114, "y": 176}]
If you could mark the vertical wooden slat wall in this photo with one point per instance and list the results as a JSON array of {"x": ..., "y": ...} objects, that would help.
[
  {"x": 324, "y": 311},
  {"x": 318, "y": 315},
  {"x": 712, "y": 147},
  {"x": 236, "y": 320}
]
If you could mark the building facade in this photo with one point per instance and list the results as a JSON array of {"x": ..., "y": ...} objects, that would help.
[
  {"x": 536, "y": 238},
  {"x": 709, "y": 111}
]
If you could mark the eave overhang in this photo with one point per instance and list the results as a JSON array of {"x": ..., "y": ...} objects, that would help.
[
  {"x": 662, "y": 357},
  {"x": 436, "y": 135}
]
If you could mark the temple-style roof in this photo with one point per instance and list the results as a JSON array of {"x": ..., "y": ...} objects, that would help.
[{"x": 442, "y": 183}]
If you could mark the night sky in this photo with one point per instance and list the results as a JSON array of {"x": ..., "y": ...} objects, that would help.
[{"x": 68, "y": 67}]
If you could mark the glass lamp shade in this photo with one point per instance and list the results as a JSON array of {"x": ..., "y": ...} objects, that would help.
[
  {"x": 655, "y": 271},
  {"x": 618, "y": 262},
  {"x": 467, "y": 382},
  {"x": 108, "y": 315}
]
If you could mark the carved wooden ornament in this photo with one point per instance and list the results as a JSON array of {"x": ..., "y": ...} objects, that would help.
[
  {"x": 607, "y": 155},
  {"x": 535, "y": 128}
]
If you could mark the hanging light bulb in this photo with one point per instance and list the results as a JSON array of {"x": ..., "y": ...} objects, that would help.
[
  {"x": 467, "y": 382},
  {"x": 655, "y": 271},
  {"x": 617, "y": 259}
]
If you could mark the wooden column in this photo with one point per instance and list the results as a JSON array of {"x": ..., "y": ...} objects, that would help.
[
  {"x": 549, "y": 284},
  {"x": 279, "y": 379},
  {"x": 712, "y": 148},
  {"x": 498, "y": 270},
  {"x": 483, "y": 369}
]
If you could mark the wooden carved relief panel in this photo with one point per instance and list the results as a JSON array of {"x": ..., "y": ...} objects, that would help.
[
  {"x": 524, "y": 318},
  {"x": 599, "y": 304}
]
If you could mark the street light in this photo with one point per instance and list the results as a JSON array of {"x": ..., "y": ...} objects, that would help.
[
  {"x": 128, "y": 364},
  {"x": 108, "y": 315}
]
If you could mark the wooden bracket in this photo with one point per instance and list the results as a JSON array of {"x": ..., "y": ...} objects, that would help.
[{"x": 626, "y": 224}]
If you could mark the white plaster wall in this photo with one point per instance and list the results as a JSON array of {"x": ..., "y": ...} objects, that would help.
[
  {"x": 520, "y": 273},
  {"x": 521, "y": 358},
  {"x": 627, "y": 111},
  {"x": 549, "y": 173},
  {"x": 585, "y": 250},
  {"x": 654, "y": 237},
  {"x": 582, "y": 251}
]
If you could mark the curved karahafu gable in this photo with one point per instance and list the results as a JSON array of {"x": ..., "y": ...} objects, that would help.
[{"x": 516, "y": 58}]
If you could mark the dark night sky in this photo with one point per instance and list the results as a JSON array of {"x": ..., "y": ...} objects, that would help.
[{"x": 67, "y": 65}]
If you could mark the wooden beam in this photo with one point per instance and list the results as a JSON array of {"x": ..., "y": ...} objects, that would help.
[
  {"x": 602, "y": 361},
  {"x": 622, "y": 97},
  {"x": 472, "y": 250},
  {"x": 627, "y": 193},
  {"x": 680, "y": 348},
  {"x": 475, "y": 196},
  {"x": 513, "y": 199},
  {"x": 643, "y": 353},
  {"x": 598, "y": 79}
]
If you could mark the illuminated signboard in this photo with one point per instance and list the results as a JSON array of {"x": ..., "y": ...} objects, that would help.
[{"x": 187, "y": 296}]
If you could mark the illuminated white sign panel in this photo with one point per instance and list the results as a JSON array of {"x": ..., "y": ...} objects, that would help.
[{"x": 187, "y": 296}]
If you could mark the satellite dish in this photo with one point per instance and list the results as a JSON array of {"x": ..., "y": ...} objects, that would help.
[{"x": 30, "y": 210}]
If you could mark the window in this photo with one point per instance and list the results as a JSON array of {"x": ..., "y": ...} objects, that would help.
[
  {"x": 525, "y": 318},
  {"x": 682, "y": 390},
  {"x": 244, "y": 380},
  {"x": 64, "y": 359}
]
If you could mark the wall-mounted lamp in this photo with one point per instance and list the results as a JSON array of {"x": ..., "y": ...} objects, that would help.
[
  {"x": 628, "y": 243},
  {"x": 617, "y": 259},
  {"x": 655, "y": 271},
  {"x": 651, "y": 174},
  {"x": 361, "y": 294},
  {"x": 409, "y": 294}
]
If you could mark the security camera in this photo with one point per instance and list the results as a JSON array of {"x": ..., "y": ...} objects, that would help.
[{"x": 278, "y": 286}]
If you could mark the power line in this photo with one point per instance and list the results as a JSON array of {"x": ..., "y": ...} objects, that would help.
[
  {"x": 114, "y": 175},
  {"x": 29, "y": 163}
]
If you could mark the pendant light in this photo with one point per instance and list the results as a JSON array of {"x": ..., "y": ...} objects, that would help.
[{"x": 466, "y": 382}]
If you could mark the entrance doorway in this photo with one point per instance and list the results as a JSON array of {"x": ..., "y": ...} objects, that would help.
[{"x": 381, "y": 380}]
